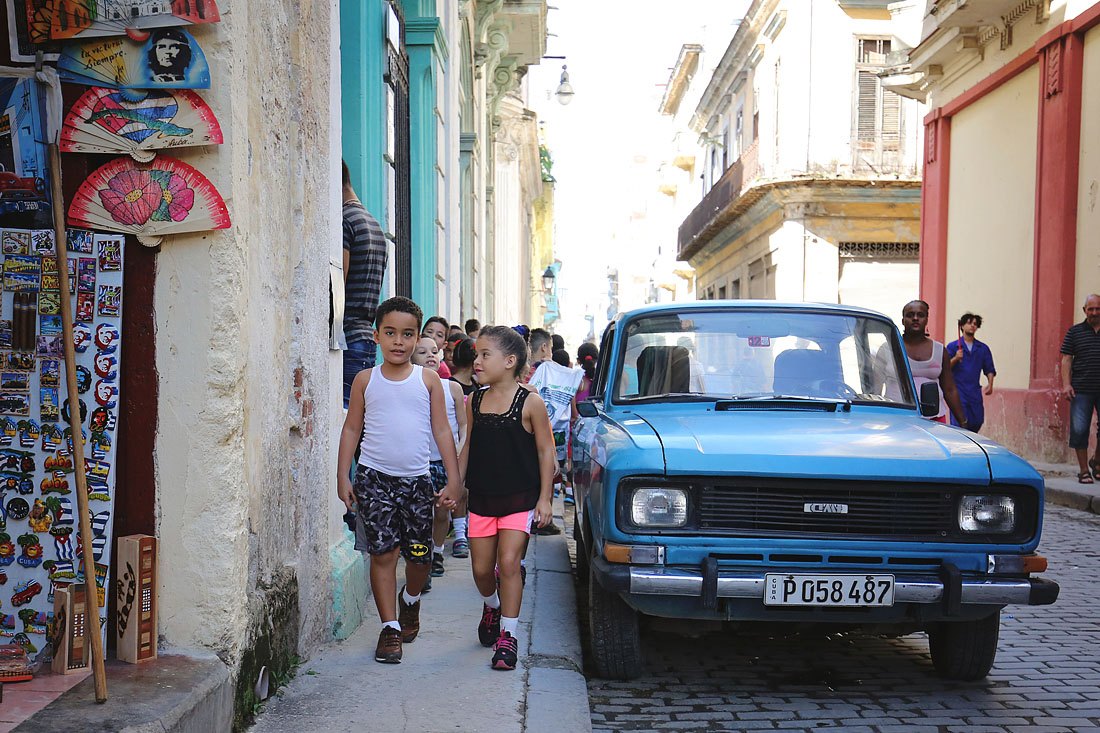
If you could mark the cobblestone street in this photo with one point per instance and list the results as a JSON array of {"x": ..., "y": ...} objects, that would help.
[{"x": 1047, "y": 674}]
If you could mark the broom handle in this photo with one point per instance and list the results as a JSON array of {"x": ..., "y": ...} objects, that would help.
[{"x": 91, "y": 591}]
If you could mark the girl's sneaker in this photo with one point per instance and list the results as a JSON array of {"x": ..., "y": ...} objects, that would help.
[
  {"x": 505, "y": 652},
  {"x": 460, "y": 548},
  {"x": 488, "y": 631}
]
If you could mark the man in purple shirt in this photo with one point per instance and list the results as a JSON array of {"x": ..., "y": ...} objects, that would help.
[{"x": 970, "y": 359}]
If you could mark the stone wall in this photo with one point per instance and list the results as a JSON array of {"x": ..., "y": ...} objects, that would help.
[{"x": 244, "y": 451}]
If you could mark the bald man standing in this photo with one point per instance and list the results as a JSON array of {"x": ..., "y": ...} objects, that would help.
[{"x": 1081, "y": 386}]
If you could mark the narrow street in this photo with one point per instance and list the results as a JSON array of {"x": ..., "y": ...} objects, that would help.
[{"x": 1047, "y": 675}]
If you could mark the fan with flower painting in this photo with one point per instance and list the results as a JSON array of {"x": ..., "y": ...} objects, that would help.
[
  {"x": 166, "y": 196},
  {"x": 138, "y": 122}
]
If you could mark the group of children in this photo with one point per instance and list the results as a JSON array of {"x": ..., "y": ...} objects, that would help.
[{"x": 477, "y": 449}]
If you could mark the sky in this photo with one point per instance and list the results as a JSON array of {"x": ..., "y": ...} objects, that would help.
[{"x": 619, "y": 55}]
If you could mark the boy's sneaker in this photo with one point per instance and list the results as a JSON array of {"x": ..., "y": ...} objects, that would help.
[
  {"x": 568, "y": 498},
  {"x": 388, "y": 650},
  {"x": 408, "y": 615},
  {"x": 437, "y": 565},
  {"x": 460, "y": 548},
  {"x": 505, "y": 652},
  {"x": 488, "y": 631}
]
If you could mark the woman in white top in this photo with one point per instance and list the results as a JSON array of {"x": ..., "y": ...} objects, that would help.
[{"x": 928, "y": 360}]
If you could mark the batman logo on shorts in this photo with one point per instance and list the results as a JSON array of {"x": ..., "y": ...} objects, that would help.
[{"x": 416, "y": 549}]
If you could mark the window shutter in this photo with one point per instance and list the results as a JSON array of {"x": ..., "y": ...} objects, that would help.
[
  {"x": 866, "y": 116},
  {"x": 891, "y": 120}
]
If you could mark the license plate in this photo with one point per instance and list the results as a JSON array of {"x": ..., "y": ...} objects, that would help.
[{"x": 828, "y": 590}]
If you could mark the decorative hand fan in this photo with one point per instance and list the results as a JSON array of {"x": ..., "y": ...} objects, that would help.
[
  {"x": 88, "y": 18},
  {"x": 150, "y": 200},
  {"x": 169, "y": 58},
  {"x": 138, "y": 123}
]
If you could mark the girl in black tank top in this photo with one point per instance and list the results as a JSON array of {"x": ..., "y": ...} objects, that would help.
[{"x": 508, "y": 463}]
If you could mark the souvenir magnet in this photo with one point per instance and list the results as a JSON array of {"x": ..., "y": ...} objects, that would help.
[
  {"x": 16, "y": 403},
  {"x": 29, "y": 432},
  {"x": 83, "y": 379},
  {"x": 34, "y": 622},
  {"x": 25, "y": 592},
  {"x": 7, "y": 430},
  {"x": 83, "y": 411},
  {"x": 101, "y": 445},
  {"x": 15, "y": 242},
  {"x": 63, "y": 544},
  {"x": 55, "y": 484},
  {"x": 40, "y": 518},
  {"x": 50, "y": 281},
  {"x": 26, "y": 486},
  {"x": 49, "y": 345},
  {"x": 82, "y": 337},
  {"x": 104, "y": 366},
  {"x": 49, "y": 325},
  {"x": 18, "y": 508},
  {"x": 105, "y": 393},
  {"x": 47, "y": 404},
  {"x": 110, "y": 252},
  {"x": 7, "y": 549},
  {"x": 49, "y": 304},
  {"x": 22, "y": 273},
  {"x": 85, "y": 275},
  {"x": 106, "y": 337},
  {"x": 85, "y": 308},
  {"x": 42, "y": 243},
  {"x": 16, "y": 381},
  {"x": 5, "y": 334},
  {"x": 102, "y": 419},
  {"x": 62, "y": 569},
  {"x": 21, "y": 361},
  {"x": 80, "y": 240},
  {"x": 31, "y": 556},
  {"x": 49, "y": 373},
  {"x": 51, "y": 437},
  {"x": 110, "y": 301}
]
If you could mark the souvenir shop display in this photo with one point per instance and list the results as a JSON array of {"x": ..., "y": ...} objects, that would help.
[
  {"x": 89, "y": 18},
  {"x": 138, "y": 123},
  {"x": 136, "y": 598},
  {"x": 166, "y": 196},
  {"x": 168, "y": 58}
]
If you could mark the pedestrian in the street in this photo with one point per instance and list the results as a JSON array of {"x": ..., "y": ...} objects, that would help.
[
  {"x": 587, "y": 356},
  {"x": 436, "y": 328},
  {"x": 561, "y": 358},
  {"x": 463, "y": 356},
  {"x": 927, "y": 361},
  {"x": 970, "y": 359},
  {"x": 1081, "y": 386},
  {"x": 508, "y": 462},
  {"x": 399, "y": 409},
  {"x": 449, "y": 349},
  {"x": 473, "y": 327},
  {"x": 364, "y": 268},
  {"x": 557, "y": 385},
  {"x": 427, "y": 356}
]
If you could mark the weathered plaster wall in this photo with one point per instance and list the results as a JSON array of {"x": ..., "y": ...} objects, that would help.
[
  {"x": 990, "y": 232},
  {"x": 244, "y": 476},
  {"x": 1088, "y": 190}
]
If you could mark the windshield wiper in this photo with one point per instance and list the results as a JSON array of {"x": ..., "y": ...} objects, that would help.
[
  {"x": 777, "y": 401},
  {"x": 672, "y": 397}
]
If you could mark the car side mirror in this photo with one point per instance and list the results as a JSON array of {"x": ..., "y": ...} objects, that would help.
[
  {"x": 587, "y": 409},
  {"x": 929, "y": 399}
]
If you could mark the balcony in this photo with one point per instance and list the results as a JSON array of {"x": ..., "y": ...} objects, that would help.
[{"x": 714, "y": 211}]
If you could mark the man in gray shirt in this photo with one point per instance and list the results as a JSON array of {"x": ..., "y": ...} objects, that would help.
[{"x": 364, "y": 269}]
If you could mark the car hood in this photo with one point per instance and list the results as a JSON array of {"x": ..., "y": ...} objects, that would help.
[{"x": 864, "y": 445}]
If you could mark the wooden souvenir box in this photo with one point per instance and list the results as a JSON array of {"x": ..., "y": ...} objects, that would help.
[
  {"x": 70, "y": 610},
  {"x": 136, "y": 569}
]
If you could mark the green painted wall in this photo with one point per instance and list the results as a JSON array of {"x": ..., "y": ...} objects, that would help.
[{"x": 362, "y": 59}]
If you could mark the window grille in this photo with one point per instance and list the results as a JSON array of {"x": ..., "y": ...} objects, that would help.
[{"x": 879, "y": 250}]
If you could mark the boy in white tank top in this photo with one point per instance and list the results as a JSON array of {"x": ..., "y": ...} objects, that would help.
[{"x": 399, "y": 410}]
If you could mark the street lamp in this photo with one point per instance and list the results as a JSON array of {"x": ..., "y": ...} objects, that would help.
[
  {"x": 564, "y": 92},
  {"x": 548, "y": 278}
]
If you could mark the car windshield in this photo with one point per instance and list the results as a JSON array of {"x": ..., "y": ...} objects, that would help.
[{"x": 761, "y": 354}]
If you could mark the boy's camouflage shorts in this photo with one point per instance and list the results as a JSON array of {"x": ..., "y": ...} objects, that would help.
[{"x": 394, "y": 511}]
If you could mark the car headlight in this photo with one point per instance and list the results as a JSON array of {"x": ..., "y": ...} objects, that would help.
[
  {"x": 659, "y": 507},
  {"x": 987, "y": 513}
]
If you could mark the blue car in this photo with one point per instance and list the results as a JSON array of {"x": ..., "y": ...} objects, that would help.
[{"x": 753, "y": 461}]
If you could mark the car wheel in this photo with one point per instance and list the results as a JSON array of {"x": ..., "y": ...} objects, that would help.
[
  {"x": 615, "y": 638},
  {"x": 964, "y": 650}
]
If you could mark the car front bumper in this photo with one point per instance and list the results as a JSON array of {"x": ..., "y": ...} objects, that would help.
[{"x": 949, "y": 588}]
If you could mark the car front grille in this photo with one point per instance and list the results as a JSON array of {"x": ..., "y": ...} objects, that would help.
[{"x": 897, "y": 511}]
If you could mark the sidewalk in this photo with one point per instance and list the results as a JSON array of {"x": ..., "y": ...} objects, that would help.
[
  {"x": 1063, "y": 489},
  {"x": 444, "y": 682}
]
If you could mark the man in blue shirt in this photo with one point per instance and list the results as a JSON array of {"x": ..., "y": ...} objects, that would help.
[{"x": 970, "y": 358}]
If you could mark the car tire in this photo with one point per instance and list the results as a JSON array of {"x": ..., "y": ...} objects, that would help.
[
  {"x": 965, "y": 650},
  {"x": 614, "y": 634}
]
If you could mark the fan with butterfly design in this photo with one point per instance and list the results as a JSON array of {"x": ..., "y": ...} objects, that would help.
[
  {"x": 138, "y": 123},
  {"x": 150, "y": 200},
  {"x": 169, "y": 58}
]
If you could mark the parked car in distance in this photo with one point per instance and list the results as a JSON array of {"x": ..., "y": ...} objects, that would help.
[{"x": 751, "y": 461}]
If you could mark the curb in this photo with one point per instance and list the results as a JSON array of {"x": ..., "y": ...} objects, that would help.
[
  {"x": 1073, "y": 499},
  {"x": 557, "y": 693}
]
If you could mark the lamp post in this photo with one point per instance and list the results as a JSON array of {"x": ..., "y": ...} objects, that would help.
[
  {"x": 548, "y": 278},
  {"x": 564, "y": 92}
]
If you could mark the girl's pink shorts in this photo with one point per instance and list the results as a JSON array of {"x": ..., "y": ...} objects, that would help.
[{"x": 480, "y": 526}]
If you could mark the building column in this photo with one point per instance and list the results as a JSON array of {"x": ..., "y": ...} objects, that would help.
[
  {"x": 363, "y": 109},
  {"x": 1058, "y": 162},
  {"x": 425, "y": 45},
  {"x": 933, "y": 223}
]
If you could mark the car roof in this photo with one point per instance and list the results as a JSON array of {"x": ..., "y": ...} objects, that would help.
[{"x": 745, "y": 304}]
